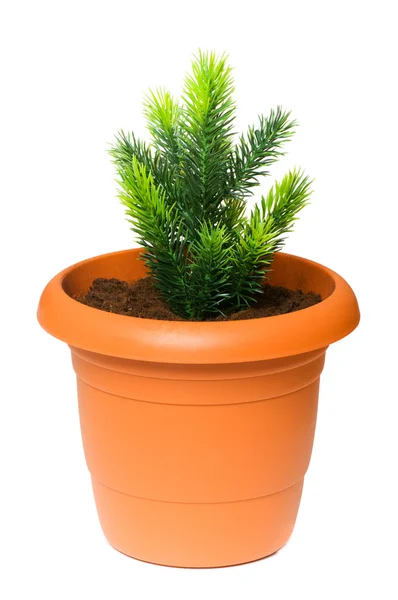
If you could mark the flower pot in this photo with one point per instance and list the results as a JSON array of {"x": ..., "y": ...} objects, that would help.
[{"x": 197, "y": 435}]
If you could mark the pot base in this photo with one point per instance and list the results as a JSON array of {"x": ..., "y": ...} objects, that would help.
[{"x": 197, "y": 535}]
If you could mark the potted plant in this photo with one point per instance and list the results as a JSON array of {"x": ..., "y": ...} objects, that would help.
[{"x": 197, "y": 409}]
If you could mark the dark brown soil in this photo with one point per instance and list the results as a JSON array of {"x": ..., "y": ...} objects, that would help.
[{"x": 141, "y": 299}]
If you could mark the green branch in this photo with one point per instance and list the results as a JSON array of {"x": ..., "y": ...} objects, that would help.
[
  {"x": 260, "y": 148},
  {"x": 160, "y": 231}
]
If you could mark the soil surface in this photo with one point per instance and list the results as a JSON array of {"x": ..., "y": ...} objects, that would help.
[{"x": 141, "y": 299}]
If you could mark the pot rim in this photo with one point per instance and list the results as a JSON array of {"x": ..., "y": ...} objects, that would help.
[{"x": 198, "y": 342}]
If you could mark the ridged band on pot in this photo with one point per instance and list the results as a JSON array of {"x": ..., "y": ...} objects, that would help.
[{"x": 198, "y": 435}]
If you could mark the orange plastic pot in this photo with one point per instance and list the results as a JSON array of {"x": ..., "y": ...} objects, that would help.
[{"x": 197, "y": 436}]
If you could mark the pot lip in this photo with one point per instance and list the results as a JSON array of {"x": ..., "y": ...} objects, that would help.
[{"x": 187, "y": 342}]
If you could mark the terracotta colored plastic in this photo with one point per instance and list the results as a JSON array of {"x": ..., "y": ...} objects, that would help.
[{"x": 198, "y": 435}]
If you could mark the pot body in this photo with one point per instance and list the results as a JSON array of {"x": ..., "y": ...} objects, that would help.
[
  {"x": 197, "y": 436},
  {"x": 198, "y": 465}
]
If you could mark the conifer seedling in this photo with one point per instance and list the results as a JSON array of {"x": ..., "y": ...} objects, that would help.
[{"x": 186, "y": 193}]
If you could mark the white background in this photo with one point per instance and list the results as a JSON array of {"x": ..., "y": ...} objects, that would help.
[{"x": 73, "y": 73}]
